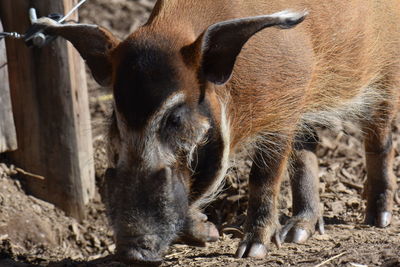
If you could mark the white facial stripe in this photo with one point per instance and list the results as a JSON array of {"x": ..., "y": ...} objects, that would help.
[
  {"x": 220, "y": 175},
  {"x": 147, "y": 144},
  {"x": 152, "y": 148},
  {"x": 172, "y": 101}
]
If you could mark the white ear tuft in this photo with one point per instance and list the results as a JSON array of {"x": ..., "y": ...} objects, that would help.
[{"x": 289, "y": 18}]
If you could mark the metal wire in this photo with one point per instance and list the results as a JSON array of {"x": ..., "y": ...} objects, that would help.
[
  {"x": 71, "y": 11},
  {"x": 14, "y": 35},
  {"x": 33, "y": 18}
]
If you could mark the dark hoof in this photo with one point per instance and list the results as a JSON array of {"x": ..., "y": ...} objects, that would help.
[
  {"x": 299, "y": 230},
  {"x": 251, "y": 250},
  {"x": 300, "y": 236},
  {"x": 295, "y": 235},
  {"x": 383, "y": 219}
]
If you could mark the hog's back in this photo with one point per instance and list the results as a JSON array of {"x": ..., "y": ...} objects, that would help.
[
  {"x": 339, "y": 63},
  {"x": 284, "y": 78}
]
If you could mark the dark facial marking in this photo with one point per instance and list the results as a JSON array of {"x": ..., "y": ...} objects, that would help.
[
  {"x": 176, "y": 127},
  {"x": 209, "y": 156},
  {"x": 144, "y": 79}
]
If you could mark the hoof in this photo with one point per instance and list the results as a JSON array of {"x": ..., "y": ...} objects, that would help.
[
  {"x": 300, "y": 236},
  {"x": 251, "y": 250},
  {"x": 383, "y": 219},
  {"x": 299, "y": 230}
]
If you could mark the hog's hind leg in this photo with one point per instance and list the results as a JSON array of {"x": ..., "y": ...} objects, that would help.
[
  {"x": 381, "y": 183},
  {"x": 304, "y": 182}
]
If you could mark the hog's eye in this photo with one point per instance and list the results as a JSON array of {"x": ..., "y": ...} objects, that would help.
[{"x": 175, "y": 118}]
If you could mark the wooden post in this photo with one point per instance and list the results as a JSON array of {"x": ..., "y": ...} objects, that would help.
[
  {"x": 51, "y": 111},
  {"x": 8, "y": 137}
]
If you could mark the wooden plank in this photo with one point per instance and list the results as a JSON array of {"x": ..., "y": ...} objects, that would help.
[
  {"x": 8, "y": 137},
  {"x": 51, "y": 111}
]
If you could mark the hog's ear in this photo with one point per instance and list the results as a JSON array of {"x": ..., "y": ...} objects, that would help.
[
  {"x": 221, "y": 43},
  {"x": 93, "y": 43}
]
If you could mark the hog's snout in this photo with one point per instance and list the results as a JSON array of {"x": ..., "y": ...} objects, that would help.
[
  {"x": 139, "y": 256},
  {"x": 140, "y": 250},
  {"x": 147, "y": 211}
]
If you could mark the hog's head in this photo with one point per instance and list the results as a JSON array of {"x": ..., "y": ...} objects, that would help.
[{"x": 167, "y": 141}]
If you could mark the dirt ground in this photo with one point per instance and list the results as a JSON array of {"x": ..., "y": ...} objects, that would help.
[{"x": 35, "y": 233}]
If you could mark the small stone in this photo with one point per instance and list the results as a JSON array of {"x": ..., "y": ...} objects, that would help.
[
  {"x": 4, "y": 168},
  {"x": 37, "y": 208},
  {"x": 111, "y": 248}
]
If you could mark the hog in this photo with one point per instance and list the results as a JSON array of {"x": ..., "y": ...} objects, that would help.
[{"x": 202, "y": 79}]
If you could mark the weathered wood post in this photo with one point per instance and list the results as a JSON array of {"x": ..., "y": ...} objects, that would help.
[
  {"x": 50, "y": 102},
  {"x": 8, "y": 138}
]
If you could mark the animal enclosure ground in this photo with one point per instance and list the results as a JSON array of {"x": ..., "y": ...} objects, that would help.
[{"x": 33, "y": 232}]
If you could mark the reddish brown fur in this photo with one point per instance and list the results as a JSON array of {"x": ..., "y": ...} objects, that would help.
[
  {"x": 342, "y": 52},
  {"x": 342, "y": 62},
  {"x": 327, "y": 60}
]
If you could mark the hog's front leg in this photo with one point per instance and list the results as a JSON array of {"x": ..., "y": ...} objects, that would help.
[
  {"x": 198, "y": 230},
  {"x": 262, "y": 222}
]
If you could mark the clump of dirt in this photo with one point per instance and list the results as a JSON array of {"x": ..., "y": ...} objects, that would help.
[{"x": 33, "y": 232}]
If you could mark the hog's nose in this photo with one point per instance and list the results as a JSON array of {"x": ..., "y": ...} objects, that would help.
[{"x": 139, "y": 257}]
